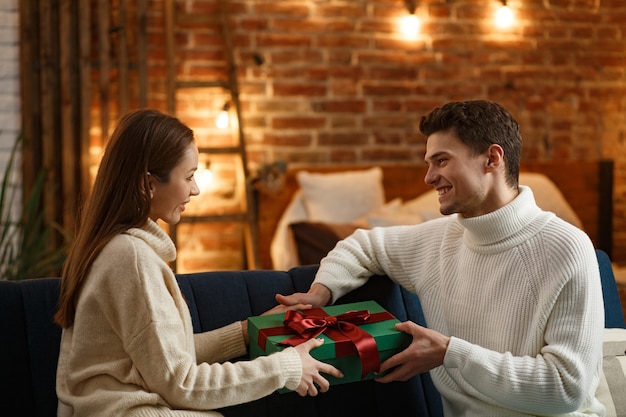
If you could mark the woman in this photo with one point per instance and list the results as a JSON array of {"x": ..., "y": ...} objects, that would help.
[{"x": 128, "y": 346}]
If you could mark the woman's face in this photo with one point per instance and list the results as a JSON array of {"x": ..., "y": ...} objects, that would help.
[{"x": 169, "y": 199}]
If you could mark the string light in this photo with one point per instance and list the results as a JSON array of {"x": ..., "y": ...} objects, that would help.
[{"x": 504, "y": 16}]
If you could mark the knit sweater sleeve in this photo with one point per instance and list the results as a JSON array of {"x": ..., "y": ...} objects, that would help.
[
  {"x": 221, "y": 344},
  {"x": 151, "y": 317},
  {"x": 398, "y": 252}
]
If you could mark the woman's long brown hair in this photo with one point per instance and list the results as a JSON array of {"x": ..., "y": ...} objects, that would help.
[{"x": 144, "y": 141}]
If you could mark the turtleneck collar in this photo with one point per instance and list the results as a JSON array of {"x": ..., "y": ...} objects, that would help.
[
  {"x": 507, "y": 226},
  {"x": 156, "y": 238}
]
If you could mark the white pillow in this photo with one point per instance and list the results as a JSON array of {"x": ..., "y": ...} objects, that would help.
[
  {"x": 549, "y": 197},
  {"x": 387, "y": 208},
  {"x": 425, "y": 205},
  {"x": 341, "y": 197},
  {"x": 612, "y": 388},
  {"x": 391, "y": 214}
]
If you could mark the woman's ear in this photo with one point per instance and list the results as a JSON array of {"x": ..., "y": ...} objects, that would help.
[{"x": 150, "y": 184}]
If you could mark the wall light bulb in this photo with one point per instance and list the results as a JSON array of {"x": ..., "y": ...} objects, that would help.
[
  {"x": 223, "y": 119},
  {"x": 410, "y": 26},
  {"x": 204, "y": 176},
  {"x": 504, "y": 17}
]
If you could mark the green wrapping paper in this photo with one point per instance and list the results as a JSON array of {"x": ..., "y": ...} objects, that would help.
[{"x": 267, "y": 332}]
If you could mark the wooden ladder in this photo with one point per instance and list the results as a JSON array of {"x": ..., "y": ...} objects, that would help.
[{"x": 246, "y": 215}]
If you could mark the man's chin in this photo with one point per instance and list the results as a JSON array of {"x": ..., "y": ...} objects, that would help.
[{"x": 446, "y": 210}]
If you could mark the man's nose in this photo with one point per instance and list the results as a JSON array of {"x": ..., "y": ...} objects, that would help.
[{"x": 431, "y": 176}]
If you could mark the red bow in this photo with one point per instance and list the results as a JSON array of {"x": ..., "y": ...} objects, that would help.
[{"x": 349, "y": 338}]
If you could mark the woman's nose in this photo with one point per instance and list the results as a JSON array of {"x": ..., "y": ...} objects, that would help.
[{"x": 195, "y": 190}]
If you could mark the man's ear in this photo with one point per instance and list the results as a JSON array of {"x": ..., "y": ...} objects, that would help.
[{"x": 495, "y": 156}]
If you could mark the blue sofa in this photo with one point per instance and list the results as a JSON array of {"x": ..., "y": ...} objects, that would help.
[{"x": 29, "y": 344}]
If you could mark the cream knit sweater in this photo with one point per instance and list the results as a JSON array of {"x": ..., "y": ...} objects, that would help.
[
  {"x": 132, "y": 351},
  {"x": 519, "y": 292}
]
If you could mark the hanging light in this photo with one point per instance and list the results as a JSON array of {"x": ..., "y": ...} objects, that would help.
[
  {"x": 204, "y": 176},
  {"x": 223, "y": 119},
  {"x": 410, "y": 24},
  {"x": 504, "y": 16}
]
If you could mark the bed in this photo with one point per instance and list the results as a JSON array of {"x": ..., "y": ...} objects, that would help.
[{"x": 301, "y": 220}]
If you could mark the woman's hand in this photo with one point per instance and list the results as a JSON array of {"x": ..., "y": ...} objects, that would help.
[{"x": 312, "y": 381}]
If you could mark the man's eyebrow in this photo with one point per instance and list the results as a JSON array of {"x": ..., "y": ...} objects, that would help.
[{"x": 435, "y": 156}]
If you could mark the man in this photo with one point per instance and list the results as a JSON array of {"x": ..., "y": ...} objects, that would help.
[{"x": 511, "y": 294}]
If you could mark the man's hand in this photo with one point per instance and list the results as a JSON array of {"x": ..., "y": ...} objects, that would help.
[
  {"x": 281, "y": 308},
  {"x": 317, "y": 296},
  {"x": 425, "y": 352}
]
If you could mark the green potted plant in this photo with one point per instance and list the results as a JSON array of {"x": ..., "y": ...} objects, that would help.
[{"x": 25, "y": 249}]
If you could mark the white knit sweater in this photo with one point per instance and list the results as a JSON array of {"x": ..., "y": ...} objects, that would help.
[
  {"x": 132, "y": 351},
  {"x": 518, "y": 291}
]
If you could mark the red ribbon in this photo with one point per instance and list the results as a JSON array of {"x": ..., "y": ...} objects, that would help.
[{"x": 342, "y": 329}]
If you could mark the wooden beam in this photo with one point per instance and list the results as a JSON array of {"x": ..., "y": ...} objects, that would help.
[
  {"x": 142, "y": 51},
  {"x": 85, "y": 87},
  {"x": 104, "y": 77},
  {"x": 69, "y": 105},
  {"x": 50, "y": 99},
  {"x": 605, "y": 207},
  {"x": 170, "y": 56},
  {"x": 123, "y": 59},
  {"x": 30, "y": 91}
]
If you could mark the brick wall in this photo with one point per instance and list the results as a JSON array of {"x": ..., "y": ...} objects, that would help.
[{"x": 334, "y": 82}]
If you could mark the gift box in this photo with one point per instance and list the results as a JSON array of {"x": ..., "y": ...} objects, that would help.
[{"x": 357, "y": 337}]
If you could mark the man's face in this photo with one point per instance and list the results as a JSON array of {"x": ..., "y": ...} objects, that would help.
[{"x": 459, "y": 176}]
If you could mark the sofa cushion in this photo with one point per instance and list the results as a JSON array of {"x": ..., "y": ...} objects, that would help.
[
  {"x": 314, "y": 239},
  {"x": 34, "y": 348},
  {"x": 16, "y": 396},
  {"x": 613, "y": 314},
  {"x": 215, "y": 298},
  {"x": 44, "y": 338}
]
